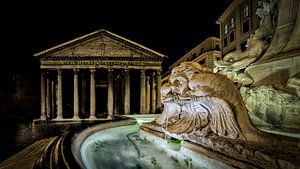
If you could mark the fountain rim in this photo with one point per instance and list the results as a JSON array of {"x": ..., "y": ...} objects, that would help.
[{"x": 79, "y": 138}]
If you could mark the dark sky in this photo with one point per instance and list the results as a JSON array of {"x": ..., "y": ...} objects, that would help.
[{"x": 170, "y": 28}]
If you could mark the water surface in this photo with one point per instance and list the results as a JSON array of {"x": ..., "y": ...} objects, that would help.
[{"x": 123, "y": 148}]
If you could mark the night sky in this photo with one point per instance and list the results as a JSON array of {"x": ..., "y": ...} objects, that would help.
[{"x": 170, "y": 28}]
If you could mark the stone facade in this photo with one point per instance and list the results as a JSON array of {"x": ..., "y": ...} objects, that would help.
[
  {"x": 237, "y": 23},
  {"x": 97, "y": 63}
]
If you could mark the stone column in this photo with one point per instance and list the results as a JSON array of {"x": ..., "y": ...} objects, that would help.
[
  {"x": 143, "y": 92},
  {"x": 93, "y": 95},
  {"x": 158, "y": 85},
  {"x": 59, "y": 95},
  {"x": 83, "y": 94},
  {"x": 110, "y": 93},
  {"x": 116, "y": 87},
  {"x": 127, "y": 93},
  {"x": 153, "y": 105},
  {"x": 76, "y": 95},
  {"x": 148, "y": 95},
  {"x": 48, "y": 97},
  {"x": 53, "y": 98},
  {"x": 122, "y": 95},
  {"x": 43, "y": 97}
]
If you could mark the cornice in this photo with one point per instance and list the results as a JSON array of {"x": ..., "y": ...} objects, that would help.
[
  {"x": 228, "y": 11},
  {"x": 103, "y": 58},
  {"x": 92, "y": 35}
]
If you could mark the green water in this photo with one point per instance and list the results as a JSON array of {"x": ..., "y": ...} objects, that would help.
[{"x": 122, "y": 148}]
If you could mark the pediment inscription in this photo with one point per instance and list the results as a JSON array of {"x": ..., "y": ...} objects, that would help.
[{"x": 99, "y": 46}]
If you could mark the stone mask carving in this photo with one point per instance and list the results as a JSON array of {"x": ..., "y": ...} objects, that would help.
[{"x": 196, "y": 103}]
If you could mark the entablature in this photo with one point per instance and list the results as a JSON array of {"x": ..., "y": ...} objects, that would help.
[{"x": 88, "y": 64}]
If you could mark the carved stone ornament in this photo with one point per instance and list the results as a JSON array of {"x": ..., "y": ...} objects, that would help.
[
  {"x": 206, "y": 110},
  {"x": 269, "y": 107},
  {"x": 198, "y": 103},
  {"x": 233, "y": 64}
]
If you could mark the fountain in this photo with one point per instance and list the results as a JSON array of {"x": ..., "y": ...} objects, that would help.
[
  {"x": 216, "y": 113},
  {"x": 205, "y": 124},
  {"x": 122, "y": 145},
  {"x": 209, "y": 118},
  {"x": 204, "y": 109}
]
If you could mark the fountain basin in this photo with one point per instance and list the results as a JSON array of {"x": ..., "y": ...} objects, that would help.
[{"x": 122, "y": 145}]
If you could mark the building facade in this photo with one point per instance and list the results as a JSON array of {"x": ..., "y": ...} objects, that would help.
[
  {"x": 237, "y": 23},
  {"x": 96, "y": 76},
  {"x": 204, "y": 53}
]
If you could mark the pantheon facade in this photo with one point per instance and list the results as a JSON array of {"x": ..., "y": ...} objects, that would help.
[{"x": 99, "y": 75}]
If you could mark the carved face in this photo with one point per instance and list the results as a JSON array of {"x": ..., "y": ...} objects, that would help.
[{"x": 179, "y": 84}]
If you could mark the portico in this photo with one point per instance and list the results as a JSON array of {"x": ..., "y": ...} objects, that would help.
[{"x": 99, "y": 75}]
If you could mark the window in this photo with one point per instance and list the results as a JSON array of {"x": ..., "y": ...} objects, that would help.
[
  {"x": 245, "y": 11},
  {"x": 226, "y": 29},
  {"x": 245, "y": 18},
  {"x": 232, "y": 23},
  {"x": 225, "y": 41},
  {"x": 217, "y": 47},
  {"x": 202, "y": 50},
  {"x": 229, "y": 31},
  {"x": 231, "y": 36},
  {"x": 246, "y": 26}
]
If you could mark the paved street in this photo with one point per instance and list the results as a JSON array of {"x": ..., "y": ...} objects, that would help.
[{"x": 26, "y": 158}]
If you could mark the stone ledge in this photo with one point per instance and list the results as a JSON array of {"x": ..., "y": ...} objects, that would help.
[{"x": 242, "y": 154}]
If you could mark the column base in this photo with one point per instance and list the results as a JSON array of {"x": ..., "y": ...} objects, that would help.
[
  {"x": 109, "y": 117},
  {"x": 48, "y": 115},
  {"x": 43, "y": 118},
  {"x": 92, "y": 117},
  {"x": 58, "y": 118},
  {"x": 76, "y": 118}
]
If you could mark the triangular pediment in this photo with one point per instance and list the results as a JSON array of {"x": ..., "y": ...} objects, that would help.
[{"x": 100, "y": 44}]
